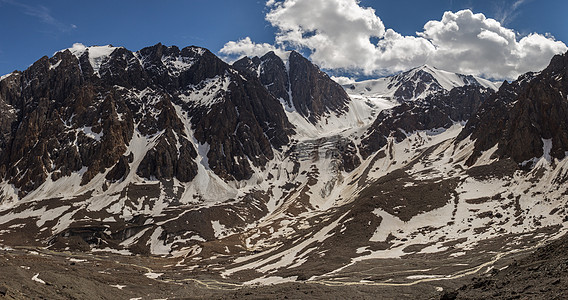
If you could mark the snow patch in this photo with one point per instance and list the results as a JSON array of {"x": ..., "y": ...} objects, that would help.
[
  {"x": 544, "y": 160},
  {"x": 547, "y": 146},
  {"x": 98, "y": 55},
  {"x": 219, "y": 229},
  {"x": 118, "y": 286},
  {"x": 270, "y": 280},
  {"x": 51, "y": 215},
  {"x": 203, "y": 150},
  {"x": 52, "y": 67},
  {"x": 177, "y": 65},
  {"x": 412, "y": 277},
  {"x": 115, "y": 251},
  {"x": 207, "y": 93},
  {"x": 88, "y": 131},
  {"x": 158, "y": 246},
  {"x": 153, "y": 275},
  {"x": 37, "y": 279}
]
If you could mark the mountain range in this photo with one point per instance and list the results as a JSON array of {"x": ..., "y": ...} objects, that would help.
[{"x": 268, "y": 171}]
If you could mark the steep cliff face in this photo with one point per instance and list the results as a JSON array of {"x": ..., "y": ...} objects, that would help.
[
  {"x": 299, "y": 84},
  {"x": 65, "y": 121},
  {"x": 10, "y": 90},
  {"x": 526, "y": 118},
  {"x": 272, "y": 73},
  {"x": 313, "y": 92},
  {"x": 241, "y": 129}
]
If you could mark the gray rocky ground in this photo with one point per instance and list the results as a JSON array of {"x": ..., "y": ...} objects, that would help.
[{"x": 38, "y": 273}]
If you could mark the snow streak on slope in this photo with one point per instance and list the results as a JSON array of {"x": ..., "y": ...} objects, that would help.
[
  {"x": 361, "y": 112},
  {"x": 449, "y": 80},
  {"x": 207, "y": 93}
]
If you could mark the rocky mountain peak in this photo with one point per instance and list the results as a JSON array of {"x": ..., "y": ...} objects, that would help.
[
  {"x": 173, "y": 68},
  {"x": 248, "y": 65},
  {"x": 313, "y": 92},
  {"x": 416, "y": 83},
  {"x": 525, "y": 118},
  {"x": 271, "y": 56},
  {"x": 558, "y": 66},
  {"x": 300, "y": 85},
  {"x": 272, "y": 73}
]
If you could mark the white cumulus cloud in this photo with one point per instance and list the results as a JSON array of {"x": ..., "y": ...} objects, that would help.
[
  {"x": 473, "y": 44},
  {"x": 343, "y": 79},
  {"x": 245, "y": 47},
  {"x": 343, "y": 35}
]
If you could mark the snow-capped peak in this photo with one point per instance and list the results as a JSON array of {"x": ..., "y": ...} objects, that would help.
[
  {"x": 426, "y": 67},
  {"x": 415, "y": 84},
  {"x": 450, "y": 80},
  {"x": 5, "y": 76},
  {"x": 97, "y": 54}
]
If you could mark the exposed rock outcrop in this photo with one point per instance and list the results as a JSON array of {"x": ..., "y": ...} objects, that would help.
[
  {"x": 299, "y": 84},
  {"x": 438, "y": 111},
  {"x": 525, "y": 118}
]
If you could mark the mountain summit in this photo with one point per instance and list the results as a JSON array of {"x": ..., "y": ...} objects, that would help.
[
  {"x": 417, "y": 83},
  {"x": 299, "y": 84}
]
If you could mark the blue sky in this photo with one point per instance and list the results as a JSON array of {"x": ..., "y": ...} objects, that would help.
[{"x": 31, "y": 29}]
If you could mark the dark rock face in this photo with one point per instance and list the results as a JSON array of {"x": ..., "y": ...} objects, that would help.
[
  {"x": 440, "y": 110},
  {"x": 271, "y": 71},
  {"x": 416, "y": 84},
  {"x": 274, "y": 77},
  {"x": 64, "y": 122},
  {"x": 302, "y": 86},
  {"x": 248, "y": 66},
  {"x": 349, "y": 157},
  {"x": 8, "y": 88},
  {"x": 166, "y": 162},
  {"x": 121, "y": 169},
  {"x": 313, "y": 92},
  {"x": 243, "y": 124},
  {"x": 523, "y": 114},
  {"x": 63, "y": 114},
  {"x": 241, "y": 129}
]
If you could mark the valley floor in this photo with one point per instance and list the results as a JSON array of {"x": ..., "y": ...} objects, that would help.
[{"x": 38, "y": 273}]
